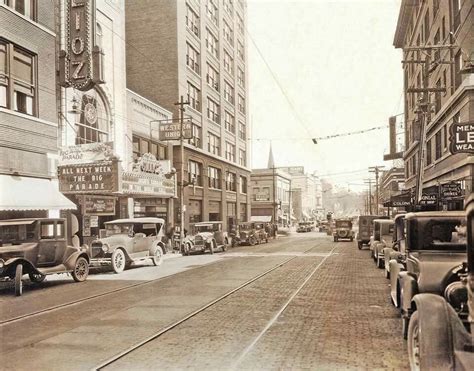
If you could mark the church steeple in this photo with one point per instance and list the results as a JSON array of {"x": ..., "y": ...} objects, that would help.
[{"x": 271, "y": 161}]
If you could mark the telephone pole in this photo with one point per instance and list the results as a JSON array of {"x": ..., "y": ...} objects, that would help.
[
  {"x": 376, "y": 170},
  {"x": 369, "y": 182},
  {"x": 181, "y": 108}
]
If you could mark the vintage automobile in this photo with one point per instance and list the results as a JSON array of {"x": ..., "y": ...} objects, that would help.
[
  {"x": 39, "y": 247},
  {"x": 323, "y": 226},
  {"x": 304, "y": 227},
  {"x": 206, "y": 236},
  {"x": 365, "y": 229},
  {"x": 393, "y": 252},
  {"x": 252, "y": 233},
  {"x": 441, "y": 330},
  {"x": 128, "y": 241},
  {"x": 430, "y": 259},
  {"x": 343, "y": 230},
  {"x": 383, "y": 236}
]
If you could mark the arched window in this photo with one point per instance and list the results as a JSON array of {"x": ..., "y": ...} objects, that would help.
[
  {"x": 98, "y": 35},
  {"x": 93, "y": 124}
]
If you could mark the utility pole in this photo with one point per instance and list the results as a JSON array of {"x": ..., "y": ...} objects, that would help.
[
  {"x": 369, "y": 182},
  {"x": 181, "y": 108},
  {"x": 376, "y": 170}
]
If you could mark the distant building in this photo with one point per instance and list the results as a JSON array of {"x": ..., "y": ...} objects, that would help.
[
  {"x": 392, "y": 185},
  {"x": 424, "y": 24},
  {"x": 198, "y": 50}
]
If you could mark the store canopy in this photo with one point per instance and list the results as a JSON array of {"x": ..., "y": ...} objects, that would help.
[
  {"x": 261, "y": 218},
  {"x": 23, "y": 193}
]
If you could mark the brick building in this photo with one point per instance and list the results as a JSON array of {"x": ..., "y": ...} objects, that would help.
[
  {"x": 197, "y": 49},
  {"x": 447, "y": 25},
  {"x": 28, "y": 110}
]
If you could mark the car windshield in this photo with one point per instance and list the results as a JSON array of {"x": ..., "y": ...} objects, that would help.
[
  {"x": 343, "y": 224},
  {"x": 204, "y": 228},
  {"x": 113, "y": 229},
  {"x": 13, "y": 234},
  {"x": 245, "y": 227}
]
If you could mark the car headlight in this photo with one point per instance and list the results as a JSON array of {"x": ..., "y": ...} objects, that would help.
[
  {"x": 105, "y": 247},
  {"x": 2, "y": 263}
]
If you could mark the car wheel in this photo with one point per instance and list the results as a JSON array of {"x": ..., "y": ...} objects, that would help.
[
  {"x": 18, "y": 281},
  {"x": 224, "y": 246},
  {"x": 414, "y": 350},
  {"x": 359, "y": 245},
  {"x": 352, "y": 239},
  {"x": 252, "y": 241},
  {"x": 36, "y": 277},
  {"x": 186, "y": 249},
  {"x": 81, "y": 270},
  {"x": 405, "y": 325},
  {"x": 387, "y": 274},
  {"x": 380, "y": 263},
  {"x": 211, "y": 247},
  {"x": 157, "y": 258},
  {"x": 118, "y": 261}
]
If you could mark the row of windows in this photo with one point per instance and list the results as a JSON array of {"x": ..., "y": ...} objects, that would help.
[
  {"x": 26, "y": 7},
  {"x": 438, "y": 144},
  {"x": 214, "y": 177},
  {"x": 142, "y": 146}
]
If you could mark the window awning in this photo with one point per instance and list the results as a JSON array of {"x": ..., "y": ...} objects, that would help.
[
  {"x": 24, "y": 193},
  {"x": 261, "y": 218}
]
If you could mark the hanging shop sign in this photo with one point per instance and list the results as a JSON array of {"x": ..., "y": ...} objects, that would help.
[
  {"x": 400, "y": 200},
  {"x": 429, "y": 199},
  {"x": 101, "y": 177},
  {"x": 173, "y": 131},
  {"x": 98, "y": 205},
  {"x": 80, "y": 63},
  {"x": 149, "y": 177},
  {"x": 451, "y": 190},
  {"x": 461, "y": 138},
  {"x": 86, "y": 153}
]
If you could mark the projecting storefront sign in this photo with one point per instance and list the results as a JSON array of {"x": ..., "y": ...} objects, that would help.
[
  {"x": 451, "y": 190},
  {"x": 400, "y": 200},
  {"x": 429, "y": 199},
  {"x": 173, "y": 131},
  {"x": 94, "y": 178},
  {"x": 461, "y": 138}
]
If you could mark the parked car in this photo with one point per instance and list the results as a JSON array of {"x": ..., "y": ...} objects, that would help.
[
  {"x": 343, "y": 230},
  {"x": 430, "y": 260},
  {"x": 303, "y": 227},
  {"x": 393, "y": 252},
  {"x": 252, "y": 233},
  {"x": 206, "y": 236},
  {"x": 383, "y": 230},
  {"x": 323, "y": 226},
  {"x": 441, "y": 330},
  {"x": 365, "y": 229},
  {"x": 38, "y": 247},
  {"x": 128, "y": 241}
]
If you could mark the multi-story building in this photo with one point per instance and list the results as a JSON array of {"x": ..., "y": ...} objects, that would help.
[
  {"x": 306, "y": 193},
  {"x": 446, "y": 27},
  {"x": 198, "y": 50},
  {"x": 28, "y": 110},
  {"x": 270, "y": 191},
  {"x": 392, "y": 189}
]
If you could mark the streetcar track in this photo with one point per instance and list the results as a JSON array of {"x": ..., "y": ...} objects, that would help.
[{"x": 173, "y": 325}]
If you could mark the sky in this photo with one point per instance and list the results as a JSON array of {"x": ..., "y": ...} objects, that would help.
[{"x": 318, "y": 68}]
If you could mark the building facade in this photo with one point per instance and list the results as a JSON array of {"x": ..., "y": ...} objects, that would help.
[
  {"x": 437, "y": 42},
  {"x": 198, "y": 50},
  {"x": 271, "y": 195},
  {"x": 28, "y": 111}
]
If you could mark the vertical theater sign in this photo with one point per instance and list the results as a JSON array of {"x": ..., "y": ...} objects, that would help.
[{"x": 81, "y": 65}]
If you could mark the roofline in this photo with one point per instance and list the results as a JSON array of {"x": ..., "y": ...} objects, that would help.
[{"x": 406, "y": 8}]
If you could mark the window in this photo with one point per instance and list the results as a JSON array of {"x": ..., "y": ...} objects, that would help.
[
  {"x": 194, "y": 97},
  {"x": 214, "y": 175},
  {"x": 438, "y": 97},
  {"x": 241, "y": 77},
  {"x": 228, "y": 92},
  {"x": 194, "y": 173},
  {"x": 435, "y": 7},
  {"x": 457, "y": 69},
  {"x": 445, "y": 137},
  {"x": 243, "y": 184},
  {"x": 229, "y": 6},
  {"x": 230, "y": 151},
  {"x": 230, "y": 182},
  {"x": 229, "y": 122},
  {"x": 25, "y": 7},
  {"x": 192, "y": 20},
  {"x": 438, "y": 147},
  {"x": 142, "y": 146},
  {"x": 192, "y": 58},
  {"x": 211, "y": 9},
  {"x": 240, "y": 50},
  {"x": 242, "y": 130},
  {"x": 456, "y": 6},
  {"x": 436, "y": 41},
  {"x": 47, "y": 230},
  {"x": 427, "y": 25},
  {"x": 228, "y": 33},
  {"x": 197, "y": 134},
  {"x": 93, "y": 123},
  {"x": 17, "y": 79},
  {"x": 228, "y": 63},
  {"x": 213, "y": 111},
  {"x": 241, "y": 104},
  {"x": 98, "y": 35},
  {"x": 213, "y": 144},
  {"x": 428, "y": 153},
  {"x": 242, "y": 157},
  {"x": 212, "y": 44},
  {"x": 212, "y": 77}
]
